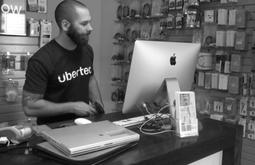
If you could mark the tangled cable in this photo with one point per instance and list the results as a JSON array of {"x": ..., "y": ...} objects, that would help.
[{"x": 157, "y": 123}]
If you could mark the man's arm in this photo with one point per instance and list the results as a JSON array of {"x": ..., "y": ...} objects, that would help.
[
  {"x": 34, "y": 105},
  {"x": 94, "y": 92}
]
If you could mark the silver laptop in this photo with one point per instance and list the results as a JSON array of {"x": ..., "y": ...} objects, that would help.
[{"x": 81, "y": 139}]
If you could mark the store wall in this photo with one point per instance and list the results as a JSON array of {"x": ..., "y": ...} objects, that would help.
[
  {"x": 103, "y": 14},
  {"x": 12, "y": 112},
  {"x": 107, "y": 31},
  {"x": 95, "y": 38}
]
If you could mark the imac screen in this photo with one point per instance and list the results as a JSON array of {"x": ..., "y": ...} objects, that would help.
[{"x": 152, "y": 62}]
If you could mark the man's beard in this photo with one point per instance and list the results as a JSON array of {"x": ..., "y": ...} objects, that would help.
[{"x": 77, "y": 38}]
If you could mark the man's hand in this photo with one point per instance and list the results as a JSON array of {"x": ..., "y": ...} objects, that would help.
[
  {"x": 83, "y": 109},
  {"x": 35, "y": 105}
]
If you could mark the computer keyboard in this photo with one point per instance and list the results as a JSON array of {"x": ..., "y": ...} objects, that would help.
[{"x": 137, "y": 120}]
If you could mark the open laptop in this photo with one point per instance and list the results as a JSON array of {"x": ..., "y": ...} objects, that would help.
[{"x": 81, "y": 139}]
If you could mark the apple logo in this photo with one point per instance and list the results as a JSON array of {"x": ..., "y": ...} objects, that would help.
[{"x": 173, "y": 59}]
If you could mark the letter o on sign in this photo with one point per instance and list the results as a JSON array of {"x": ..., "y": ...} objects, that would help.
[{"x": 5, "y": 8}]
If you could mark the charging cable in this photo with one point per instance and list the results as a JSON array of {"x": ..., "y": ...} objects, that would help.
[{"x": 157, "y": 117}]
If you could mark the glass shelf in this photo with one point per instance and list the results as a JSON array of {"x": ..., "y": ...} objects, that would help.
[
  {"x": 119, "y": 83},
  {"x": 224, "y": 48},
  {"x": 121, "y": 62},
  {"x": 140, "y": 19}
]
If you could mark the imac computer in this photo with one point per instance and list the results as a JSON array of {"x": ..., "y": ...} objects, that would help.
[{"x": 153, "y": 62}]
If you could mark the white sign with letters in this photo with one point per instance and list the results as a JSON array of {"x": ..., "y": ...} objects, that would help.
[{"x": 13, "y": 18}]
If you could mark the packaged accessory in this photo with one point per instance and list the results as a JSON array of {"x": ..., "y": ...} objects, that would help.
[
  {"x": 32, "y": 5},
  {"x": 11, "y": 91}
]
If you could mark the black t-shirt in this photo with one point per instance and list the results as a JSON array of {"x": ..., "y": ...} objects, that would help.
[{"x": 60, "y": 75}]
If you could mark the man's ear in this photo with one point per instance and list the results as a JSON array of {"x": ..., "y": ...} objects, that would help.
[{"x": 65, "y": 24}]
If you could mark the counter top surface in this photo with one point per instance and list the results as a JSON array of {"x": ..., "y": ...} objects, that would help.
[{"x": 165, "y": 148}]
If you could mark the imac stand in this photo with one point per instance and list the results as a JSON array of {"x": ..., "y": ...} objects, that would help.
[
  {"x": 182, "y": 107},
  {"x": 166, "y": 94}
]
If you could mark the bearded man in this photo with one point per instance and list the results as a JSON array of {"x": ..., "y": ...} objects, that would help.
[{"x": 60, "y": 82}]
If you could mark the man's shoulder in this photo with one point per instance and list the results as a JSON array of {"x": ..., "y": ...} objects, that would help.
[
  {"x": 87, "y": 49},
  {"x": 45, "y": 50},
  {"x": 46, "y": 55}
]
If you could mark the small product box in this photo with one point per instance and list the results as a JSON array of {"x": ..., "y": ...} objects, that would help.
[
  {"x": 251, "y": 129},
  {"x": 251, "y": 109},
  {"x": 223, "y": 81},
  {"x": 243, "y": 121},
  {"x": 230, "y": 38},
  {"x": 243, "y": 106},
  {"x": 218, "y": 107},
  {"x": 232, "y": 17},
  {"x": 171, "y": 4},
  {"x": 201, "y": 79},
  {"x": 233, "y": 84},
  {"x": 222, "y": 16},
  {"x": 215, "y": 80},
  {"x": 240, "y": 42},
  {"x": 221, "y": 38},
  {"x": 186, "y": 117},
  {"x": 235, "y": 64},
  {"x": 241, "y": 18},
  {"x": 209, "y": 16},
  {"x": 230, "y": 107},
  {"x": 179, "y": 21},
  {"x": 208, "y": 80},
  {"x": 46, "y": 32}
]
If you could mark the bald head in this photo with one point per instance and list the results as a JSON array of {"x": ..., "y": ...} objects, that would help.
[{"x": 67, "y": 10}]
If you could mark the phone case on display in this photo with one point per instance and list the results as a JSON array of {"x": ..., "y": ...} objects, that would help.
[
  {"x": 119, "y": 12},
  {"x": 126, "y": 11},
  {"x": 146, "y": 10}
]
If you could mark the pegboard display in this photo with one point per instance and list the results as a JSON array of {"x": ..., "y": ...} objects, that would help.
[
  {"x": 225, "y": 65},
  {"x": 225, "y": 69},
  {"x": 225, "y": 77},
  {"x": 19, "y": 39},
  {"x": 148, "y": 20}
]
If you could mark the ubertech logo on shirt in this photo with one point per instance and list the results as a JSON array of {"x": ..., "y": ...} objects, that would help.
[{"x": 67, "y": 76}]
